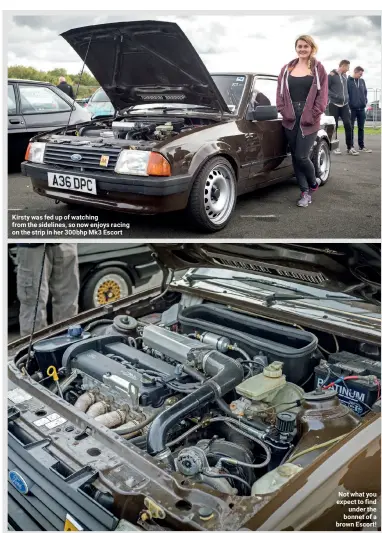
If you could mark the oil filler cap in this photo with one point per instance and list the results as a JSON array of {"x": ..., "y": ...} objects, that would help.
[
  {"x": 75, "y": 330},
  {"x": 274, "y": 370}
]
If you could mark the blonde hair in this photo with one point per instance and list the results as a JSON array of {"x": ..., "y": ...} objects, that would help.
[{"x": 311, "y": 42}]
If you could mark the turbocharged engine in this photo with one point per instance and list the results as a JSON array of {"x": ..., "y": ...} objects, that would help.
[{"x": 221, "y": 406}]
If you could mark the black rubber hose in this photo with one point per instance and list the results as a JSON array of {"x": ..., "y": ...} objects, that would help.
[
  {"x": 194, "y": 373},
  {"x": 232, "y": 476},
  {"x": 226, "y": 374},
  {"x": 139, "y": 441},
  {"x": 157, "y": 435},
  {"x": 99, "y": 322},
  {"x": 22, "y": 360}
]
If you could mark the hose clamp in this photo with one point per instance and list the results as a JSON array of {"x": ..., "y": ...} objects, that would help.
[
  {"x": 215, "y": 386},
  {"x": 205, "y": 357}
]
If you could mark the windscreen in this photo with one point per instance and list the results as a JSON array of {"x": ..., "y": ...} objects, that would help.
[{"x": 231, "y": 88}]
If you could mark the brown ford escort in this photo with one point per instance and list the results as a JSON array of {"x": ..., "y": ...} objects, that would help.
[{"x": 180, "y": 139}]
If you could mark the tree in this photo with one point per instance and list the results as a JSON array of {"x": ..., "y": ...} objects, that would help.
[{"x": 88, "y": 84}]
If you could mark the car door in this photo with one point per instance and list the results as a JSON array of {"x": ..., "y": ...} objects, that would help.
[
  {"x": 42, "y": 108},
  {"x": 16, "y": 122},
  {"x": 269, "y": 155}
]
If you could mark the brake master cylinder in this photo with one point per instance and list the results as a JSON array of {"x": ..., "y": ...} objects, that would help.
[
  {"x": 163, "y": 130},
  {"x": 264, "y": 385}
]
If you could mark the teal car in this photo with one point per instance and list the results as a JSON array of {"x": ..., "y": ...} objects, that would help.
[{"x": 99, "y": 104}]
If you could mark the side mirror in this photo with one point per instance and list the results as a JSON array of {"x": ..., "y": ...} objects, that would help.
[{"x": 263, "y": 112}]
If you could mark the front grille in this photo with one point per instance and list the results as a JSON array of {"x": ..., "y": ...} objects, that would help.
[
  {"x": 60, "y": 154},
  {"x": 53, "y": 491},
  {"x": 292, "y": 273}
]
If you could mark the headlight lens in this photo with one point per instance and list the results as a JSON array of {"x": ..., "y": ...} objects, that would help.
[
  {"x": 35, "y": 152},
  {"x": 132, "y": 162},
  {"x": 141, "y": 163}
]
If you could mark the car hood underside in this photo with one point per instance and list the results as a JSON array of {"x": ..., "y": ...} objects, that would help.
[{"x": 144, "y": 62}]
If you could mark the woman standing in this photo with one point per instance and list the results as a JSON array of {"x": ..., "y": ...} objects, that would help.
[{"x": 302, "y": 97}]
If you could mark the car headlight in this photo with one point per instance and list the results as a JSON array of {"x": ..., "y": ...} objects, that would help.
[
  {"x": 141, "y": 163},
  {"x": 35, "y": 152}
]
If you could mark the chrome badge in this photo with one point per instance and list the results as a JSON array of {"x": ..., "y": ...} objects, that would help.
[
  {"x": 76, "y": 157},
  {"x": 18, "y": 482}
]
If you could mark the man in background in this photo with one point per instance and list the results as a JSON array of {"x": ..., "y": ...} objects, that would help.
[
  {"x": 60, "y": 278},
  {"x": 357, "y": 102},
  {"x": 339, "y": 102},
  {"x": 65, "y": 87}
]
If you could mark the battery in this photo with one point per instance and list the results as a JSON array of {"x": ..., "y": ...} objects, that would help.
[{"x": 358, "y": 394}]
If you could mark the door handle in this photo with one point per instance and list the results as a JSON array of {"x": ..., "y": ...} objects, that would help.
[{"x": 16, "y": 121}]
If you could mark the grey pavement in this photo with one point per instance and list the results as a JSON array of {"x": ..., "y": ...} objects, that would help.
[{"x": 347, "y": 207}]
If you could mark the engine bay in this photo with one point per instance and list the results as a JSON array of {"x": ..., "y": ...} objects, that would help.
[
  {"x": 224, "y": 399},
  {"x": 141, "y": 128}
]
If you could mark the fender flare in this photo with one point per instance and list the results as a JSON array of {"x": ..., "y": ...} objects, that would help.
[{"x": 210, "y": 150}]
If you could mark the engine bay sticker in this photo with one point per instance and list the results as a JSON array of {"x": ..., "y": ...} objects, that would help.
[
  {"x": 18, "y": 396},
  {"x": 53, "y": 416},
  {"x": 41, "y": 422},
  {"x": 50, "y": 421},
  {"x": 56, "y": 423}
]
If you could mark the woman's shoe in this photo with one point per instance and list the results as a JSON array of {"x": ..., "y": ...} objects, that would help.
[{"x": 304, "y": 200}]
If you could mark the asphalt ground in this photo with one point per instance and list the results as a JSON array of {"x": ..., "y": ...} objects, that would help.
[{"x": 348, "y": 207}]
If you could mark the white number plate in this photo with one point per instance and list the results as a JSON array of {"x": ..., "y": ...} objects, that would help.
[{"x": 73, "y": 183}]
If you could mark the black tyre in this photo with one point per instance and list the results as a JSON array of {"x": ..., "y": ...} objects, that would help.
[
  {"x": 321, "y": 161},
  {"x": 105, "y": 286},
  {"x": 213, "y": 195}
]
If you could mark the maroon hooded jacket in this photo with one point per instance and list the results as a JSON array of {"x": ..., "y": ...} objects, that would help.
[{"x": 316, "y": 101}]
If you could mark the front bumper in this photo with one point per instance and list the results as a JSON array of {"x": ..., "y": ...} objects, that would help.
[{"x": 132, "y": 194}]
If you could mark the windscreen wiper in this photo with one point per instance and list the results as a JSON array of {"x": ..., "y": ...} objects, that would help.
[
  {"x": 164, "y": 109},
  {"x": 298, "y": 294}
]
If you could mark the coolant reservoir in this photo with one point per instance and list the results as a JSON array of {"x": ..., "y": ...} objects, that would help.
[
  {"x": 264, "y": 385},
  {"x": 275, "y": 479}
]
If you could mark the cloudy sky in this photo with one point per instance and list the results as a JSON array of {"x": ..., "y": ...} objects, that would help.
[{"x": 224, "y": 42}]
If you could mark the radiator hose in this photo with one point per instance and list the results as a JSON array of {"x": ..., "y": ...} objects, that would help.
[{"x": 225, "y": 374}]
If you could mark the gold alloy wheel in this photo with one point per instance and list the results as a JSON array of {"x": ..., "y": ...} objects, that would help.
[{"x": 107, "y": 292}]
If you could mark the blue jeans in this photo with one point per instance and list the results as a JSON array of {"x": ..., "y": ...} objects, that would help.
[{"x": 360, "y": 115}]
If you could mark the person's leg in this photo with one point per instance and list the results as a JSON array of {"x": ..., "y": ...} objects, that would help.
[
  {"x": 334, "y": 112},
  {"x": 345, "y": 115},
  {"x": 304, "y": 146},
  {"x": 361, "y": 117},
  {"x": 29, "y": 262},
  {"x": 64, "y": 281},
  {"x": 353, "y": 117},
  {"x": 291, "y": 136}
]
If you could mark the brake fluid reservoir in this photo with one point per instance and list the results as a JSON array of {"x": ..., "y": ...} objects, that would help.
[
  {"x": 264, "y": 385},
  {"x": 275, "y": 479}
]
